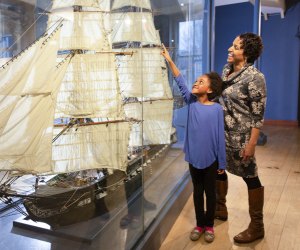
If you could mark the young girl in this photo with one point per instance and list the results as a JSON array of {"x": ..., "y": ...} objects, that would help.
[{"x": 204, "y": 145}]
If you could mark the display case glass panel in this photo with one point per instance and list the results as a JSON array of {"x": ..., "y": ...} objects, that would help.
[{"x": 93, "y": 117}]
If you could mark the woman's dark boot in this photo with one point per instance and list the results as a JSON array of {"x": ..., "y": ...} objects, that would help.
[
  {"x": 221, "y": 192},
  {"x": 255, "y": 229}
]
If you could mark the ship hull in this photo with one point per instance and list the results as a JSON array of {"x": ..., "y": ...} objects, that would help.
[{"x": 99, "y": 199}]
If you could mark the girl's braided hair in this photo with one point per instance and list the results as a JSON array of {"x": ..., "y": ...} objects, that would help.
[{"x": 215, "y": 85}]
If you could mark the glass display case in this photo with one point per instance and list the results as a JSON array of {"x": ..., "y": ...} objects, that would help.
[{"x": 93, "y": 120}]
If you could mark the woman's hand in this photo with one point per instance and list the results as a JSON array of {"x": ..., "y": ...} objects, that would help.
[
  {"x": 248, "y": 152},
  {"x": 165, "y": 53}
]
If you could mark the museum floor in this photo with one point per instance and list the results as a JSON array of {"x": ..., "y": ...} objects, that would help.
[{"x": 279, "y": 170}]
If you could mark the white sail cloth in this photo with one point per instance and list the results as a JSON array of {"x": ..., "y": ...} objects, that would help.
[
  {"x": 4, "y": 60},
  {"x": 134, "y": 27},
  {"x": 91, "y": 147},
  {"x": 135, "y": 3},
  {"x": 102, "y": 4},
  {"x": 90, "y": 88},
  {"x": 83, "y": 30},
  {"x": 143, "y": 74},
  {"x": 157, "y": 122},
  {"x": 27, "y": 92}
]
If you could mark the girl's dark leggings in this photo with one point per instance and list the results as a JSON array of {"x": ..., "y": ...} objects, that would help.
[{"x": 204, "y": 180}]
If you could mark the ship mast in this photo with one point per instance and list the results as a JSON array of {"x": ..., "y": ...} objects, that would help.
[
  {"x": 143, "y": 76},
  {"x": 89, "y": 94}
]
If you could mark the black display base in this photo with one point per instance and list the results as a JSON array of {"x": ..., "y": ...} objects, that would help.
[
  {"x": 85, "y": 231},
  {"x": 159, "y": 229}
]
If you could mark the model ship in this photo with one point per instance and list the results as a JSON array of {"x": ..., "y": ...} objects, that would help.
[{"x": 83, "y": 109}]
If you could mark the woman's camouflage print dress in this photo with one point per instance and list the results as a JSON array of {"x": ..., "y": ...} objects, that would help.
[{"x": 244, "y": 101}]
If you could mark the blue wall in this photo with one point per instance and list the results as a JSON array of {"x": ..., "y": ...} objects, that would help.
[
  {"x": 231, "y": 20},
  {"x": 280, "y": 64},
  {"x": 280, "y": 60}
]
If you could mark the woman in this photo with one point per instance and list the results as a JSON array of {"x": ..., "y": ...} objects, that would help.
[{"x": 243, "y": 100}]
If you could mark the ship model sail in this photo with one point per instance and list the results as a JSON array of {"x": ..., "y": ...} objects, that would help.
[{"x": 88, "y": 101}]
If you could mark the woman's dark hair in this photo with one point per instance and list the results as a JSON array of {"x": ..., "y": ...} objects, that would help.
[
  {"x": 215, "y": 84},
  {"x": 252, "y": 46}
]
